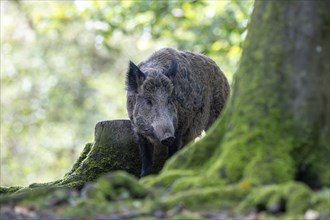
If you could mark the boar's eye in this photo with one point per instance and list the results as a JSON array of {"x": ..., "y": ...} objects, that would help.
[{"x": 149, "y": 102}]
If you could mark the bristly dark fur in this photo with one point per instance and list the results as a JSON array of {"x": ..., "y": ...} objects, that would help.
[
  {"x": 171, "y": 98},
  {"x": 157, "y": 82}
]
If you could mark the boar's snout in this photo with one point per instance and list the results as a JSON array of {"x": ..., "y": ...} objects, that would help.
[{"x": 168, "y": 139}]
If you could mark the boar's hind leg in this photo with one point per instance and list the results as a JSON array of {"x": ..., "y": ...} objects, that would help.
[
  {"x": 173, "y": 148},
  {"x": 146, "y": 152}
]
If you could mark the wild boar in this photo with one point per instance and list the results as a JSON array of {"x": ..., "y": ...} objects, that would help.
[{"x": 171, "y": 98}]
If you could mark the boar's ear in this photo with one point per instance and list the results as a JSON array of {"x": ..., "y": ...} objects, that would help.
[
  {"x": 171, "y": 71},
  {"x": 135, "y": 77}
]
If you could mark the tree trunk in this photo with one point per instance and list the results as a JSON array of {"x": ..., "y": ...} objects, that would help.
[{"x": 280, "y": 106}]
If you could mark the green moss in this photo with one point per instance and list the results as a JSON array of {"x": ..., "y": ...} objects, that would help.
[
  {"x": 260, "y": 197},
  {"x": 85, "y": 209},
  {"x": 11, "y": 189},
  {"x": 230, "y": 163},
  {"x": 119, "y": 191},
  {"x": 196, "y": 154},
  {"x": 190, "y": 216},
  {"x": 114, "y": 186},
  {"x": 121, "y": 179},
  {"x": 82, "y": 157},
  {"x": 111, "y": 193},
  {"x": 72, "y": 182},
  {"x": 296, "y": 198},
  {"x": 36, "y": 185},
  {"x": 166, "y": 179},
  {"x": 114, "y": 149},
  {"x": 208, "y": 198},
  {"x": 195, "y": 182},
  {"x": 270, "y": 166},
  {"x": 321, "y": 202},
  {"x": 28, "y": 194},
  {"x": 311, "y": 155}
]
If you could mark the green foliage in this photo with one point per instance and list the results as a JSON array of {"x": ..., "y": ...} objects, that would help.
[{"x": 63, "y": 68}]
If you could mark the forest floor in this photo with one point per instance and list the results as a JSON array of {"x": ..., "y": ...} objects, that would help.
[{"x": 92, "y": 203}]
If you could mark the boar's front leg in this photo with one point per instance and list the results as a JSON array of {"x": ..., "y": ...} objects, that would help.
[
  {"x": 146, "y": 152},
  {"x": 173, "y": 148}
]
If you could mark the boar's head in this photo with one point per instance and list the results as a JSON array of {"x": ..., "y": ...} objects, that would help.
[{"x": 154, "y": 113}]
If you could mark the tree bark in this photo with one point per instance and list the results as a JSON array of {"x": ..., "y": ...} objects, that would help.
[{"x": 281, "y": 93}]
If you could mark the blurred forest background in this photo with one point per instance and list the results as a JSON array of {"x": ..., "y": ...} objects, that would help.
[{"x": 63, "y": 66}]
